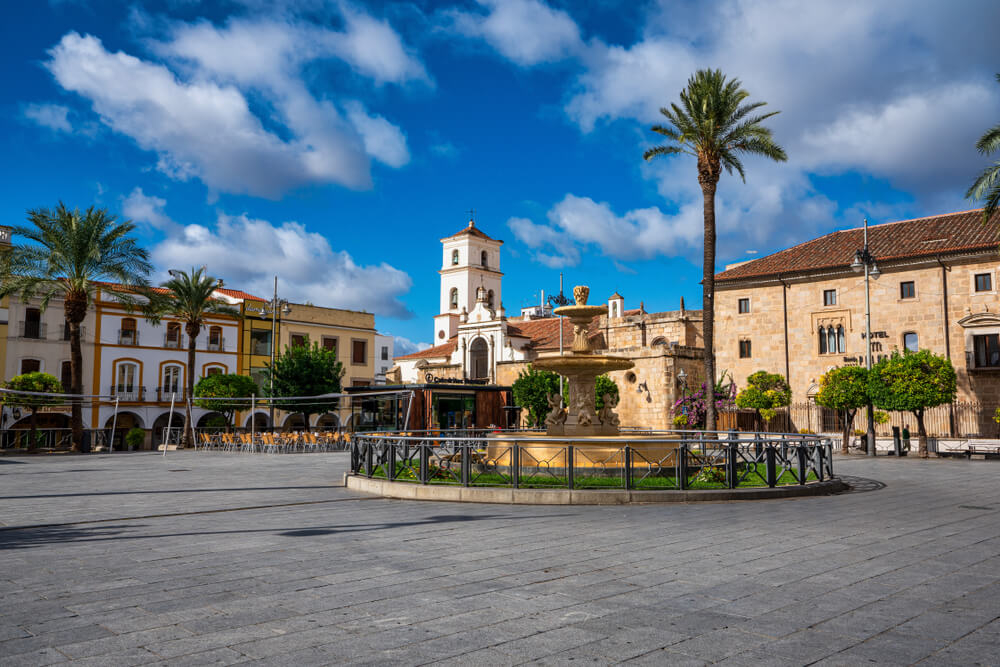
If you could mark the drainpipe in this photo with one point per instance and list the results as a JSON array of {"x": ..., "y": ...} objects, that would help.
[
  {"x": 784, "y": 310},
  {"x": 947, "y": 337}
]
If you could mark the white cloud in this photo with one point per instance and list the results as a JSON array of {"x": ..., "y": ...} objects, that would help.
[
  {"x": 375, "y": 49},
  {"x": 560, "y": 249},
  {"x": 53, "y": 116},
  {"x": 383, "y": 141},
  {"x": 527, "y": 32},
  {"x": 248, "y": 252},
  {"x": 402, "y": 345},
  {"x": 148, "y": 209}
]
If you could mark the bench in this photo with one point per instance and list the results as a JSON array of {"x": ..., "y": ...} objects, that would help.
[{"x": 979, "y": 450}]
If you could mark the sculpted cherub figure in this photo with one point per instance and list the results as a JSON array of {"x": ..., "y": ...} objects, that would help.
[
  {"x": 607, "y": 414},
  {"x": 557, "y": 413}
]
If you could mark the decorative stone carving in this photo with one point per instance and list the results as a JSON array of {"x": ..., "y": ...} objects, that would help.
[
  {"x": 607, "y": 415},
  {"x": 557, "y": 413},
  {"x": 580, "y": 294}
]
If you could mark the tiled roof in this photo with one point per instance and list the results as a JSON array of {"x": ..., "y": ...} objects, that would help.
[
  {"x": 922, "y": 237},
  {"x": 544, "y": 333},
  {"x": 472, "y": 230},
  {"x": 237, "y": 294},
  {"x": 443, "y": 350}
]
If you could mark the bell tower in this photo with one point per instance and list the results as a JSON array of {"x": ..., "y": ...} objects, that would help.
[{"x": 470, "y": 260}]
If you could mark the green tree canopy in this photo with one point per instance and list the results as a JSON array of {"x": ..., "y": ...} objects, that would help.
[
  {"x": 531, "y": 391},
  {"x": 765, "y": 392},
  {"x": 72, "y": 255},
  {"x": 604, "y": 385},
  {"x": 33, "y": 382},
  {"x": 986, "y": 188},
  {"x": 912, "y": 382},
  {"x": 716, "y": 125},
  {"x": 225, "y": 386},
  {"x": 844, "y": 389},
  {"x": 305, "y": 370}
]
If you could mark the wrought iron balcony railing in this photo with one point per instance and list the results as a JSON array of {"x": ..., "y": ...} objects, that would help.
[
  {"x": 126, "y": 392},
  {"x": 128, "y": 337},
  {"x": 164, "y": 394},
  {"x": 31, "y": 329},
  {"x": 173, "y": 340},
  {"x": 216, "y": 344}
]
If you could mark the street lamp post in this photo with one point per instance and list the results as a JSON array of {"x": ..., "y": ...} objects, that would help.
[
  {"x": 285, "y": 310},
  {"x": 863, "y": 259},
  {"x": 556, "y": 302}
]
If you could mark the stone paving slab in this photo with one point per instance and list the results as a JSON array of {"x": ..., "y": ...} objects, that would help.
[{"x": 207, "y": 558}]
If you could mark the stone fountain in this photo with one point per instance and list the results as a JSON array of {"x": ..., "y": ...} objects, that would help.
[{"x": 580, "y": 368}]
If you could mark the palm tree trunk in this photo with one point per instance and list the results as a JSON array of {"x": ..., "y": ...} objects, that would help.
[
  {"x": 192, "y": 332},
  {"x": 708, "y": 186},
  {"x": 76, "y": 310}
]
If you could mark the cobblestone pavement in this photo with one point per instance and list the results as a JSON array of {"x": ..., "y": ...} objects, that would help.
[{"x": 136, "y": 559}]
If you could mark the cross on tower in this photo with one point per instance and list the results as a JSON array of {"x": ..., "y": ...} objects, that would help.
[{"x": 472, "y": 216}]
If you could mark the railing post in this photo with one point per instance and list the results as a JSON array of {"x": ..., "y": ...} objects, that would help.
[
  {"x": 390, "y": 473},
  {"x": 803, "y": 469},
  {"x": 570, "y": 481},
  {"x": 682, "y": 466},
  {"x": 820, "y": 453},
  {"x": 369, "y": 470},
  {"x": 424, "y": 461},
  {"x": 769, "y": 457},
  {"x": 628, "y": 467},
  {"x": 515, "y": 465},
  {"x": 466, "y": 463},
  {"x": 732, "y": 455},
  {"x": 758, "y": 446}
]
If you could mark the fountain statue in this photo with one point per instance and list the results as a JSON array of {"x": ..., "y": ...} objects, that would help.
[{"x": 580, "y": 368}]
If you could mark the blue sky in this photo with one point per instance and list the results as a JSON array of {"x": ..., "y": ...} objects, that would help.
[{"x": 334, "y": 143}]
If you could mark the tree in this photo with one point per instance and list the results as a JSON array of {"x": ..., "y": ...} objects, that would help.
[
  {"x": 987, "y": 186},
  {"x": 33, "y": 382},
  {"x": 765, "y": 392},
  {"x": 715, "y": 125},
  {"x": 913, "y": 381},
  {"x": 531, "y": 391},
  {"x": 845, "y": 389},
  {"x": 239, "y": 388},
  {"x": 304, "y": 370},
  {"x": 70, "y": 255},
  {"x": 190, "y": 298}
]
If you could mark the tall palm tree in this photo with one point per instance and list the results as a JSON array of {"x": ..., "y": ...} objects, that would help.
[
  {"x": 71, "y": 255},
  {"x": 190, "y": 298},
  {"x": 715, "y": 125},
  {"x": 987, "y": 186}
]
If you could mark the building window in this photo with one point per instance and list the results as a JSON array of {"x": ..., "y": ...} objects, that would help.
[
  {"x": 128, "y": 335},
  {"x": 127, "y": 387},
  {"x": 171, "y": 382},
  {"x": 453, "y": 297},
  {"x": 359, "y": 352},
  {"x": 32, "y": 327},
  {"x": 987, "y": 350},
  {"x": 215, "y": 341},
  {"x": 907, "y": 290},
  {"x": 213, "y": 370},
  {"x": 299, "y": 340},
  {"x": 822, "y": 340},
  {"x": 744, "y": 305},
  {"x": 831, "y": 340},
  {"x": 330, "y": 344},
  {"x": 385, "y": 353},
  {"x": 489, "y": 299},
  {"x": 910, "y": 341},
  {"x": 454, "y": 257},
  {"x": 66, "y": 376},
  {"x": 30, "y": 366},
  {"x": 841, "y": 343},
  {"x": 483, "y": 259},
  {"x": 829, "y": 297},
  {"x": 744, "y": 349},
  {"x": 173, "y": 337},
  {"x": 260, "y": 342},
  {"x": 984, "y": 282}
]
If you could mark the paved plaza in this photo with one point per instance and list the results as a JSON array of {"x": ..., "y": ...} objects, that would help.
[{"x": 206, "y": 558}]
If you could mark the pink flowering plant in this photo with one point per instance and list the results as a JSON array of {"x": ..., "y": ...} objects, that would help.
[{"x": 689, "y": 410}]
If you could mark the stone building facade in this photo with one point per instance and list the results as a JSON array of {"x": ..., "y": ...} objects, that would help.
[{"x": 801, "y": 311}]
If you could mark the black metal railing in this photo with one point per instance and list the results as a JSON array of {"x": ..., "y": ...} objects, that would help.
[
  {"x": 679, "y": 460},
  {"x": 216, "y": 344},
  {"x": 128, "y": 337},
  {"x": 31, "y": 329},
  {"x": 172, "y": 340}
]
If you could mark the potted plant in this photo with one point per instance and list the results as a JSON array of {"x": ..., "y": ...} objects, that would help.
[{"x": 134, "y": 438}]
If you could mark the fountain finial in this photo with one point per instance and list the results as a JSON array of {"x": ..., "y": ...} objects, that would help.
[{"x": 580, "y": 294}]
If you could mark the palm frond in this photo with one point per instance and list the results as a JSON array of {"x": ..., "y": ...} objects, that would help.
[
  {"x": 661, "y": 150},
  {"x": 987, "y": 190},
  {"x": 989, "y": 142}
]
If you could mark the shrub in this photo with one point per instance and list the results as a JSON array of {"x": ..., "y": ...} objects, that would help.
[{"x": 134, "y": 438}]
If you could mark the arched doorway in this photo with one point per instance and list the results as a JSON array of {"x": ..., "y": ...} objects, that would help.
[
  {"x": 294, "y": 422},
  {"x": 479, "y": 363},
  {"x": 260, "y": 422},
  {"x": 212, "y": 420},
  {"x": 160, "y": 428},
  {"x": 328, "y": 422}
]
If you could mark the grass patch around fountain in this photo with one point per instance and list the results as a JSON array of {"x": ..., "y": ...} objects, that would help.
[{"x": 752, "y": 475}]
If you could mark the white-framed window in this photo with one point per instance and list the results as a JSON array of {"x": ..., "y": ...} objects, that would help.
[
  {"x": 172, "y": 379},
  {"x": 127, "y": 381}
]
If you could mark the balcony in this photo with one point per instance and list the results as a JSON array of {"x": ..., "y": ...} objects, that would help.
[
  {"x": 216, "y": 344},
  {"x": 128, "y": 337},
  {"x": 125, "y": 392},
  {"x": 32, "y": 329},
  {"x": 173, "y": 340},
  {"x": 163, "y": 394}
]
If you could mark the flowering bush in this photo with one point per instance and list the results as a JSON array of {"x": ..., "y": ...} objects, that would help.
[
  {"x": 690, "y": 410},
  {"x": 711, "y": 475}
]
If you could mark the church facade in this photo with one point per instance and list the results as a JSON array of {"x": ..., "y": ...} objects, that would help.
[{"x": 477, "y": 343}]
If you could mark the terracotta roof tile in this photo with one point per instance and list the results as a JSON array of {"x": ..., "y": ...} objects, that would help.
[
  {"x": 443, "y": 350},
  {"x": 472, "y": 230},
  {"x": 922, "y": 237}
]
